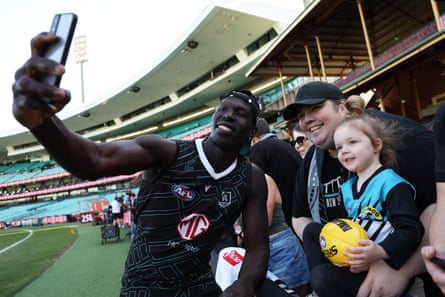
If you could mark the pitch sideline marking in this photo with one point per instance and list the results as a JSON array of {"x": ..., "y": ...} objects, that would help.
[{"x": 18, "y": 242}]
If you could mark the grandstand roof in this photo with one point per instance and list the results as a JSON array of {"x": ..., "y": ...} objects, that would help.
[
  {"x": 402, "y": 36},
  {"x": 201, "y": 68},
  {"x": 339, "y": 28}
]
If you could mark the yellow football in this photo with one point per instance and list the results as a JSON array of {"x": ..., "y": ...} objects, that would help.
[{"x": 336, "y": 235}]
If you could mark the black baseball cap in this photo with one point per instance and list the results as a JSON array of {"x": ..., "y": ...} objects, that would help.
[{"x": 312, "y": 93}]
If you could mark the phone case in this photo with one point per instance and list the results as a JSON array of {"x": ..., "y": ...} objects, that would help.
[
  {"x": 439, "y": 262},
  {"x": 63, "y": 25}
]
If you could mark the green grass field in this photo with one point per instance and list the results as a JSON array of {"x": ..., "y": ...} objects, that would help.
[{"x": 61, "y": 260}]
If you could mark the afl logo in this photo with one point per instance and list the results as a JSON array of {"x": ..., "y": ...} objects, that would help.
[
  {"x": 183, "y": 192},
  {"x": 193, "y": 226}
]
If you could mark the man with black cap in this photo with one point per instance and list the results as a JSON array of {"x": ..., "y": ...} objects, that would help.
[
  {"x": 318, "y": 108},
  {"x": 191, "y": 191}
]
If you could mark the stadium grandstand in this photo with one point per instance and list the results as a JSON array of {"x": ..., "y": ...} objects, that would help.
[
  {"x": 216, "y": 55},
  {"x": 392, "y": 51},
  {"x": 378, "y": 48}
]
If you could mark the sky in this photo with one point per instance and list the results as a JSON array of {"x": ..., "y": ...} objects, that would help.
[{"x": 124, "y": 40}]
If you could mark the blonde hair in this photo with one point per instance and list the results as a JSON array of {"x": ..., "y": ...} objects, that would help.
[{"x": 388, "y": 131}]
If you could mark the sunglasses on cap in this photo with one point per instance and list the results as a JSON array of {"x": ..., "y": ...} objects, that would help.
[
  {"x": 248, "y": 98},
  {"x": 300, "y": 140},
  {"x": 241, "y": 95}
]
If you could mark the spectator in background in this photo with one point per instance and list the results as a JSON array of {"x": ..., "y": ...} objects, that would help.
[
  {"x": 116, "y": 208},
  {"x": 436, "y": 248},
  {"x": 302, "y": 143},
  {"x": 132, "y": 205},
  {"x": 125, "y": 210},
  {"x": 197, "y": 189},
  {"x": 109, "y": 218},
  {"x": 277, "y": 159},
  {"x": 287, "y": 265},
  {"x": 287, "y": 259}
]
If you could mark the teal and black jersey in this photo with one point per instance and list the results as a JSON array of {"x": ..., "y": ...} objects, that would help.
[
  {"x": 386, "y": 209},
  {"x": 183, "y": 210},
  {"x": 369, "y": 206}
]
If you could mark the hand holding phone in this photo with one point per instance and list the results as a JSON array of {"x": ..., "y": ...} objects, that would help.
[
  {"x": 439, "y": 262},
  {"x": 63, "y": 25}
]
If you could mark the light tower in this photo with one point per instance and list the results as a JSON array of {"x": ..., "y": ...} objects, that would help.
[{"x": 81, "y": 56}]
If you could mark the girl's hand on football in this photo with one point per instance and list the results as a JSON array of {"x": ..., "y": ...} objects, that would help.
[{"x": 360, "y": 258}]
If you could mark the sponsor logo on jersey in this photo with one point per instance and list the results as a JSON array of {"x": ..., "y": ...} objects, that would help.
[
  {"x": 183, "y": 192},
  {"x": 188, "y": 247},
  {"x": 370, "y": 213},
  {"x": 192, "y": 226}
]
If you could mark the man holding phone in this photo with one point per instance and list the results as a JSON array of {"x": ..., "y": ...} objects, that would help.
[{"x": 205, "y": 184}]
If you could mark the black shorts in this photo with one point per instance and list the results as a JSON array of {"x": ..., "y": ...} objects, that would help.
[{"x": 118, "y": 215}]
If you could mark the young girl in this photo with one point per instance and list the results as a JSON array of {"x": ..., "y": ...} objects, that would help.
[{"x": 376, "y": 197}]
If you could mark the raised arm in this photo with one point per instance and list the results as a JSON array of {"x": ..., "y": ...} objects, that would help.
[
  {"x": 82, "y": 157},
  {"x": 89, "y": 160},
  {"x": 436, "y": 247}
]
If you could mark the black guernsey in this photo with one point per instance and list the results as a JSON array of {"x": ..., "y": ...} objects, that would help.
[{"x": 182, "y": 212}]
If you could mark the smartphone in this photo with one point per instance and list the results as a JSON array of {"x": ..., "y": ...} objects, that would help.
[
  {"x": 439, "y": 262},
  {"x": 63, "y": 25}
]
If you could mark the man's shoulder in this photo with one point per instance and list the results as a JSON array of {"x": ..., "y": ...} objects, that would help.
[
  {"x": 279, "y": 144},
  {"x": 271, "y": 144},
  {"x": 411, "y": 131},
  {"x": 387, "y": 116}
]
